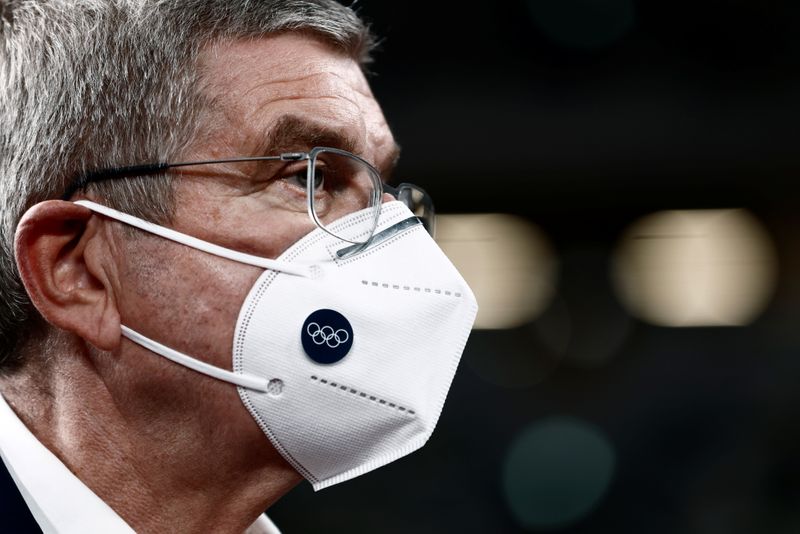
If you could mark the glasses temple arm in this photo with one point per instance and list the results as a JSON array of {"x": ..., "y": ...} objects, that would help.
[
  {"x": 155, "y": 168},
  {"x": 108, "y": 174}
]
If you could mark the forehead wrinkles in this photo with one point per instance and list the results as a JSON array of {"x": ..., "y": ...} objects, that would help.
[
  {"x": 253, "y": 83},
  {"x": 251, "y": 111},
  {"x": 322, "y": 90},
  {"x": 250, "y": 74}
]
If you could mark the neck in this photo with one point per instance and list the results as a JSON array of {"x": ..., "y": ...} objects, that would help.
[{"x": 157, "y": 459}]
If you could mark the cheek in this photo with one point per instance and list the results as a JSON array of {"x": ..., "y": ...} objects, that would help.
[
  {"x": 283, "y": 233},
  {"x": 245, "y": 223},
  {"x": 267, "y": 236},
  {"x": 184, "y": 298}
]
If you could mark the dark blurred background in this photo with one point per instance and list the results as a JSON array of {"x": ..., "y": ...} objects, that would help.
[{"x": 616, "y": 179}]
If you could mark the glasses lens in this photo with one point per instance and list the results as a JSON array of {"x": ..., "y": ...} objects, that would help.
[{"x": 344, "y": 184}]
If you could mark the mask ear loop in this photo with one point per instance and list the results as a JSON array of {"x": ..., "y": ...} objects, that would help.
[
  {"x": 193, "y": 242},
  {"x": 244, "y": 380}
]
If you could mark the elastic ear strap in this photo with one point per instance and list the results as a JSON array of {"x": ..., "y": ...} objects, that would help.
[
  {"x": 243, "y": 380},
  {"x": 205, "y": 246}
]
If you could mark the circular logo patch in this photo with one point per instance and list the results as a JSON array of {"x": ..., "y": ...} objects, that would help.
[{"x": 327, "y": 336}]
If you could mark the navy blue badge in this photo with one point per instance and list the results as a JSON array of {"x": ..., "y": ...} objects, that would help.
[{"x": 327, "y": 336}]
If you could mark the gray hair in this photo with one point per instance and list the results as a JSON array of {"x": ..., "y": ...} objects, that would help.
[{"x": 87, "y": 84}]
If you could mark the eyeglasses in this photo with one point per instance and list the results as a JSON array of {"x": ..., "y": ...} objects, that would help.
[{"x": 327, "y": 183}]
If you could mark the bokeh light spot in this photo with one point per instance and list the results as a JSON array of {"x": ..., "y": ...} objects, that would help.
[
  {"x": 696, "y": 268},
  {"x": 556, "y": 472},
  {"x": 506, "y": 260}
]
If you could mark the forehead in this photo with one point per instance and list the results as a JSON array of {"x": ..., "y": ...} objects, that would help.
[{"x": 255, "y": 84}]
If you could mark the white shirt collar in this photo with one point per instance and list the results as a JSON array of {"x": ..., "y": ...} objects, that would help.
[{"x": 58, "y": 500}]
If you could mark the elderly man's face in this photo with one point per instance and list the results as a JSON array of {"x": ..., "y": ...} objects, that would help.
[{"x": 284, "y": 93}]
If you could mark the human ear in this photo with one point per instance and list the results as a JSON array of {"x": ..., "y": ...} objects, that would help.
[{"x": 60, "y": 250}]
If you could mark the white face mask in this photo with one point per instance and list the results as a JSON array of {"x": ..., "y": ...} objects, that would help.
[{"x": 344, "y": 363}]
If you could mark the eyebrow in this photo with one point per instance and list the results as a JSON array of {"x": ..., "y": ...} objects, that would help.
[{"x": 292, "y": 132}]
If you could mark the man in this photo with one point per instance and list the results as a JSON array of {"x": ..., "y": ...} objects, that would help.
[{"x": 275, "y": 323}]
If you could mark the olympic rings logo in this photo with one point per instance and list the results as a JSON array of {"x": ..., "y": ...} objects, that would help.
[{"x": 327, "y": 335}]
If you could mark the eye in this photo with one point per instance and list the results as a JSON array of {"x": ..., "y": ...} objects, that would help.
[{"x": 300, "y": 178}]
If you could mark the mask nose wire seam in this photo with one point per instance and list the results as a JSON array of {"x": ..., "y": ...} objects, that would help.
[
  {"x": 199, "y": 244},
  {"x": 244, "y": 380}
]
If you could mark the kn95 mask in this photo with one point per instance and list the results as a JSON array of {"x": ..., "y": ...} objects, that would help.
[{"x": 344, "y": 361}]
